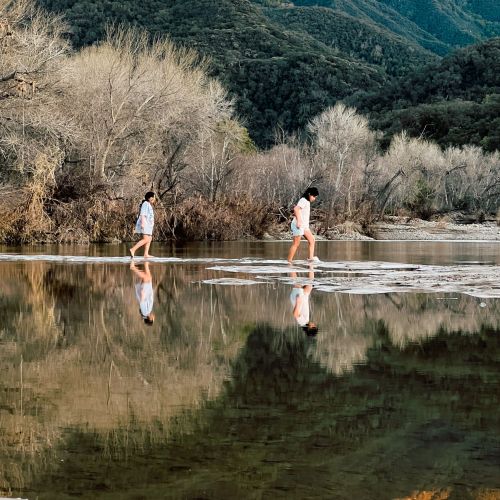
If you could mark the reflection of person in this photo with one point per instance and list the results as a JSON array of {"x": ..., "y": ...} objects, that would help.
[
  {"x": 300, "y": 224},
  {"x": 144, "y": 292},
  {"x": 301, "y": 309},
  {"x": 144, "y": 224}
]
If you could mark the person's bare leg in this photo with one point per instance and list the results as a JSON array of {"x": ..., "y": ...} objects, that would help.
[
  {"x": 293, "y": 248},
  {"x": 147, "y": 245},
  {"x": 310, "y": 238},
  {"x": 138, "y": 245}
]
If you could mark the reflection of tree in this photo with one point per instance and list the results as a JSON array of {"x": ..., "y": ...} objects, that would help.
[
  {"x": 424, "y": 412},
  {"x": 89, "y": 366},
  {"x": 87, "y": 360}
]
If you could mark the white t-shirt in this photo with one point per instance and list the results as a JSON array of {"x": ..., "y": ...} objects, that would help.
[
  {"x": 305, "y": 211},
  {"x": 148, "y": 213},
  {"x": 303, "y": 317},
  {"x": 145, "y": 296}
]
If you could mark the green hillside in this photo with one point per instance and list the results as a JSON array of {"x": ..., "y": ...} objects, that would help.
[
  {"x": 451, "y": 21},
  {"x": 285, "y": 62},
  {"x": 279, "y": 77},
  {"x": 384, "y": 17},
  {"x": 359, "y": 39},
  {"x": 454, "y": 101},
  {"x": 485, "y": 8},
  {"x": 437, "y": 25}
]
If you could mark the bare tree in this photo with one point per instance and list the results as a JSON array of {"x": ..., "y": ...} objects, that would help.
[
  {"x": 218, "y": 149},
  {"x": 126, "y": 93},
  {"x": 345, "y": 150}
]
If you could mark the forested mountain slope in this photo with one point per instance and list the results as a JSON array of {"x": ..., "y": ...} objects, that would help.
[
  {"x": 280, "y": 78},
  {"x": 286, "y": 62},
  {"x": 454, "y": 101},
  {"x": 437, "y": 25},
  {"x": 357, "y": 38}
]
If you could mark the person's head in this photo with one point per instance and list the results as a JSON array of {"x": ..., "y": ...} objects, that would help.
[
  {"x": 149, "y": 319},
  {"x": 311, "y": 194},
  {"x": 310, "y": 329},
  {"x": 150, "y": 196}
]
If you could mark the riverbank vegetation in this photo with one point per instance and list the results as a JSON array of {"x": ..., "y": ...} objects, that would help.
[{"x": 85, "y": 133}]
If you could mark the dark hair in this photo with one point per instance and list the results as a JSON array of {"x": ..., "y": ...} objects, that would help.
[
  {"x": 310, "y": 191},
  {"x": 147, "y": 320},
  {"x": 310, "y": 330},
  {"x": 148, "y": 195}
]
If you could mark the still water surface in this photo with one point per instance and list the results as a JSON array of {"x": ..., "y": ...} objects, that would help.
[{"x": 226, "y": 396}]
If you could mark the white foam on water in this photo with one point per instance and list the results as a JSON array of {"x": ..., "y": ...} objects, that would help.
[
  {"x": 248, "y": 269},
  {"x": 374, "y": 267},
  {"x": 85, "y": 259},
  {"x": 363, "y": 266},
  {"x": 230, "y": 281},
  {"x": 475, "y": 279}
]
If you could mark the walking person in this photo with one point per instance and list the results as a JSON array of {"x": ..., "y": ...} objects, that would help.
[
  {"x": 144, "y": 292},
  {"x": 144, "y": 225},
  {"x": 299, "y": 298},
  {"x": 300, "y": 224}
]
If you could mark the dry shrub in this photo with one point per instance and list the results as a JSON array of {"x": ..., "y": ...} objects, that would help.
[
  {"x": 24, "y": 209},
  {"x": 96, "y": 220},
  {"x": 100, "y": 219},
  {"x": 349, "y": 228},
  {"x": 224, "y": 219}
]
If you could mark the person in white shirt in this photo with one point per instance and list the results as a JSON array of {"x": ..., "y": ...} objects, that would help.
[
  {"x": 299, "y": 298},
  {"x": 144, "y": 225},
  {"x": 144, "y": 292},
  {"x": 300, "y": 224}
]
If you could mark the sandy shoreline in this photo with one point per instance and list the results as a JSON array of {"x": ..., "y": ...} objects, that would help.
[
  {"x": 402, "y": 229},
  {"x": 416, "y": 229}
]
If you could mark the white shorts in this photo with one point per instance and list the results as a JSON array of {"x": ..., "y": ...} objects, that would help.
[{"x": 297, "y": 231}]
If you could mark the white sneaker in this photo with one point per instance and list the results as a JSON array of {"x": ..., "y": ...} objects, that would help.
[{"x": 314, "y": 260}]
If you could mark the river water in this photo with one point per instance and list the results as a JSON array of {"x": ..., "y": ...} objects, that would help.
[{"x": 227, "y": 395}]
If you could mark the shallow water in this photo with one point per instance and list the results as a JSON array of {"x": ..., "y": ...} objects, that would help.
[{"x": 225, "y": 395}]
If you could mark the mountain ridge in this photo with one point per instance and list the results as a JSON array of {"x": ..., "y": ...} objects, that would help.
[{"x": 286, "y": 62}]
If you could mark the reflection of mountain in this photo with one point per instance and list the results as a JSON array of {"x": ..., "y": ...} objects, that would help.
[
  {"x": 285, "y": 426},
  {"x": 98, "y": 383}
]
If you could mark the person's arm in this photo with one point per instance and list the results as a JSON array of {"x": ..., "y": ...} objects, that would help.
[
  {"x": 297, "y": 211},
  {"x": 147, "y": 273},
  {"x": 144, "y": 214}
]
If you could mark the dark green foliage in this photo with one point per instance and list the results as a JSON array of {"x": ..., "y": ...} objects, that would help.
[
  {"x": 450, "y": 21},
  {"x": 455, "y": 101},
  {"x": 280, "y": 78},
  {"x": 437, "y": 25},
  {"x": 421, "y": 200},
  {"x": 357, "y": 38},
  {"x": 486, "y": 8},
  {"x": 285, "y": 63}
]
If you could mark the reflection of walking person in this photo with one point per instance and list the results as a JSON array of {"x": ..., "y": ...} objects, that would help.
[
  {"x": 144, "y": 292},
  {"x": 144, "y": 224},
  {"x": 301, "y": 308},
  {"x": 300, "y": 225}
]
